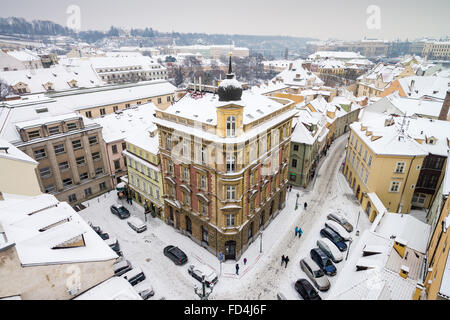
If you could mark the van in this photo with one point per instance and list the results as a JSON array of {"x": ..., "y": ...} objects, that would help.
[
  {"x": 322, "y": 260},
  {"x": 134, "y": 276},
  {"x": 330, "y": 249},
  {"x": 137, "y": 224}
]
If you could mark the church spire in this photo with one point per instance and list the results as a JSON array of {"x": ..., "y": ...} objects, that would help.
[{"x": 230, "y": 74}]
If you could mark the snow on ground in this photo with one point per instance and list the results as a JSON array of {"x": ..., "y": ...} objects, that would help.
[{"x": 263, "y": 276}]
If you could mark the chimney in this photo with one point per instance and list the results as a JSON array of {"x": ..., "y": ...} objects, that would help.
[
  {"x": 404, "y": 271},
  {"x": 290, "y": 66},
  {"x": 400, "y": 247},
  {"x": 418, "y": 292},
  {"x": 445, "y": 107}
]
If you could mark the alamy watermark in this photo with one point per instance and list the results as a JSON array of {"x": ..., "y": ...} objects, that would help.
[
  {"x": 374, "y": 20},
  {"x": 74, "y": 19}
]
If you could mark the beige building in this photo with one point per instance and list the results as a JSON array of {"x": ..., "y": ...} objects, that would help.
[
  {"x": 224, "y": 161},
  {"x": 436, "y": 50},
  {"x": 14, "y": 164},
  {"x": 48, "y": 252}
]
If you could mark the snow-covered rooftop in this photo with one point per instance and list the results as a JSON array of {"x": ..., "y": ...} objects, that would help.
[
  {"x": 336, "y": 55},
  {"x": 13, "y": 153},
  {"x": 115, "y": 288},
  {"x": 39, "y": 224},
  {"x": 418, "y": 87},
  {"x": 297, "y": 76}
]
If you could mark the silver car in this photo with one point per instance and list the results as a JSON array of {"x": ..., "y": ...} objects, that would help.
[
  {"x": 315, "y": 274},
  {"x": 336, "y": 227},
  {"x": 341, "y": 220},
  {"x": 330, "y": 249}
]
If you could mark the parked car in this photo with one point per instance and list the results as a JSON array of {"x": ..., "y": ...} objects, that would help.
[
  {"x": 306, "y": 290},
  {"x": 113, "y": 243},
  {"x": 315, "y": 274},
  {"x": 122, "y": 267},
  {"x": 341, "y": 220},
  {"x": 96, "y": 229},
  {"x": 330, "y": 249},
  {"x": 334, "y": 237},
  {"x": 120, "y": 211},
  {"x": 175, "y": 254},
  {"x": 336, "y": 227},
  {"x": 145, "y": 290},
  {"x": 197, "y": 271},
  {"x": 134, "y": 276},
  {"x": 322, "y": 260},
  {"x": 137, "y": 224},
  {"x": 104, "y": 236}
]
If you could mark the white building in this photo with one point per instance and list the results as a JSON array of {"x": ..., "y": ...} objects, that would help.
[{"x": 19, "y": 60}]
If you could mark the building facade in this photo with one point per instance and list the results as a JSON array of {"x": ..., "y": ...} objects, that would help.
[{"x": 224, "y": 161}]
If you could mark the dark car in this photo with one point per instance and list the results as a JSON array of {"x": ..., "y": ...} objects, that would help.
[
  {"x": 175, "y": 254},
  {"x": 334, "y": 237},
  {"x": 120, "y": 211},
  {"x": 306, "y": 290},
  {"x": 122, "y": 267},
  {"x": 113, "y": 243},
  {"x": 134, "y": 276},
  {"x": 323, "y": 261},
  {"x": 104, "y": 236},
  {"x": 97, "y": 229}
]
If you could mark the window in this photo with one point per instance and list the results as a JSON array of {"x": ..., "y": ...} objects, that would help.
[
  {"x": 186, "y": 173},
  {"x": 72, "y": 198},
  {"x": 81, "y": 161},
  {"x": 400, "y": 167},
  {"x": 88, "y": 114},
  {"x": 50, "y": 188},
  {"x": 98, "y": 171},
  {"x": 187, "y": 199},
  {"x": 370, "y": 161},
  {"x": 185, "y": 148},
  {"x": 34, "y": 134},
  {"x": 96, "y": 156},
  {"x": 115, "y": 108},
  {"x": 76, "y": 144},
  {"x": 88, "y": 192},
  {"x": 117, "y": 164},
  {"x": 84, "y": 176},
  {"x": 231, "y": 163},
  {"x": 296, "y": 147},
  {"x": 93, "y": 140},
  {"x": 170, "y": 166},
  {"x": 365, "y": 155},
  {"x": 155, "y": 175},
  {"x": 102, "y": 186},
  {"x": 45, "y": 172},
  {"x": 59, "y": 148},
  {"x": 419, "y": 198},
  {"x": 294, "y": 163},
  {"x": 168, "y": 143},
  {"x": 366, "y": 177},
  {"x": 102, "y": 111},
  {"x": 67, "y": 182},
  {"x": 231, "y": 220},
  {"x": 172, "y": 191},
  {"x": 114, "y": 149},
  {"x": 395, "y": 186},
  {"x": 203, "y": 208},
  {"x": 231, "y": 126},
  {"x": 231, "y": 192},
  {"x": 124, "y": 146},
  {"x": 53, "y": 130},
  {"x": 205, "y": 236},
  {"x": 64, "y": 166},
  {"x": 159, "y": 101},
  {"x": 203, "y": 154},
  {"x": 202, "y": 182}
]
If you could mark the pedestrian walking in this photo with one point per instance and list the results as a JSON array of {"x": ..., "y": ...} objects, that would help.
[
  {"x": 237, "y": 268},
  {"x": 296, "y": 231},
  {"x": 306, "y": 205},
  {"x": 245, "y": 261},
  {"x": 286, "y": 260},
  {"x": 300, "y": 232},
  {"x": 283, "y": 259}
]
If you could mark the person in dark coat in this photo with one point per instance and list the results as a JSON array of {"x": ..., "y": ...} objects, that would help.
[
  {"x": 300, "y": 232},
  {"x": 296, "y": 231},
  {"x": 283, "y": 259},
  {"x": 286, "y": 260},
  {"x": 245, "y": 261},
  {"x": 306, "y": 205},
  {"x": 237, "y": 268}
]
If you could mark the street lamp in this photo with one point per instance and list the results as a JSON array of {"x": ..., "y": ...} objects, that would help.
[
  {"x": 203, "y": 295},
  {"x": 296, "y": 202},
  {"x": 260, "y": 242}
]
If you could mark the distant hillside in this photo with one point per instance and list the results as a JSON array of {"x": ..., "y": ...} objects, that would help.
[{"x": 39, "y": 30}]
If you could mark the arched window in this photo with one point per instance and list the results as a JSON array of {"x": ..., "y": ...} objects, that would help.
[{"x": 231, "y": 127}]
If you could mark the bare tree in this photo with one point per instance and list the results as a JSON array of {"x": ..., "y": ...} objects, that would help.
[{"x": 5, "y": 89}]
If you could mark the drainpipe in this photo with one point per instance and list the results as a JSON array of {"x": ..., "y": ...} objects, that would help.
[{"x": 403, "y": 191}]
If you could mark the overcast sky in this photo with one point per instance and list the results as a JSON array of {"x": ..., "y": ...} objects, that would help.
[{"x": 341, "y": 19}]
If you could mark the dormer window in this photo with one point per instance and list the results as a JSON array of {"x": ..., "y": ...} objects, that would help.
[{"x": 231, "y": 127}]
